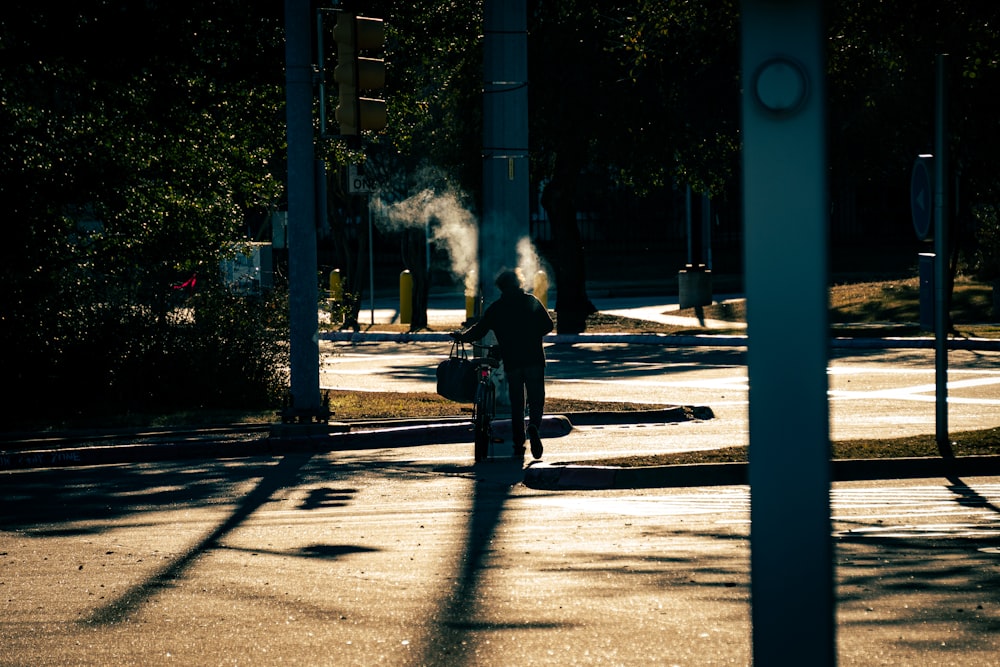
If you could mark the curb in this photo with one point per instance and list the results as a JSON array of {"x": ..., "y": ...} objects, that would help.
[
  {"x": 581, "y": 477},
  {"x": 282, "y": 439},
  {"x": 314, "y": 437}
]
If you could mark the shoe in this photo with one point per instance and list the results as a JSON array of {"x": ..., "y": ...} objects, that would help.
[
  {"x": 518, "y": 453},
  {"x": 536, "y": 442}
]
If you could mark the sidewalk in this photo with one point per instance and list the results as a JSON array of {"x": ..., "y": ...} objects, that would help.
[
  {"x": 446, "y": 311},
  {"x": 447, "y": 308}
]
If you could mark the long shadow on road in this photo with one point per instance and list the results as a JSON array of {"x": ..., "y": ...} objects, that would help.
[
  {"x": 461, "y": 617},
  {"x": 81, "y": 501},
  {"x": 285, "y": 474}
]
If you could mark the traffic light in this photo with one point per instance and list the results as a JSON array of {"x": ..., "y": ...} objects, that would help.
[{"x": 355, "y": 73}]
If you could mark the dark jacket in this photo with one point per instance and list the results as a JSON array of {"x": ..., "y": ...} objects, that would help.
[{"x": 519, "y": 321}]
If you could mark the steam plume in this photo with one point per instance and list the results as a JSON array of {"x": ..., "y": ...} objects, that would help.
[
  {"x": 528, "y": 262},
  {"x": 455, "y": 229}
]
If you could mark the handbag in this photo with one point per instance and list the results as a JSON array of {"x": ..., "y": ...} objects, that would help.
[{"x": 456, "y": 376}]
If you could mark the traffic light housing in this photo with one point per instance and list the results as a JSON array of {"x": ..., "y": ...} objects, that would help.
[{"x": 355, "y": 73}]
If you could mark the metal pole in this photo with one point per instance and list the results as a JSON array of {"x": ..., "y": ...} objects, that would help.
[
  {"x": 505, "y": 218},
  {"x": 687, "y": 225},
  {"x": 706, "y": 231},
  {"x": 303, "y": 291},
  {"x": 321, "y": 72},
  {"x": 941, "y": 257},
  {"x": 371, "y": 258},
  {"x": 786, "y": 220}
]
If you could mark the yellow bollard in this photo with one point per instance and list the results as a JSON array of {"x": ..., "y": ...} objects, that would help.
[
  {"x": 336, "y": 288},
  {"x": 336, "y": 295},
  {"x": 406, "y": 297},
  {"x": 470, "y": 306},
  {"x": 542, "y": 288},
  {"x": 470, "y": 295}
]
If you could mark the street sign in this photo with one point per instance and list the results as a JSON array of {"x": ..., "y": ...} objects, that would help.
[
  {"x": 922, "y": 197},
  {"x": 357, "y": 181}
]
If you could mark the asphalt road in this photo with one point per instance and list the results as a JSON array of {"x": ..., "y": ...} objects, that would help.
[
  {"x": 416, "y": 558},
  {"x": 411, "y": 556}
]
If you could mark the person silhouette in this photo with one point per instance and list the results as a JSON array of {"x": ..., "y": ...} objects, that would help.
[{"x": 520, "y": 322}]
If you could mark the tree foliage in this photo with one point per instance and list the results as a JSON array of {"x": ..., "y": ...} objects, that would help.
[
  {"x": 882, "y": 62},
  {"x": 138, "y": 143},
  {"x": 139, "y": 140},
  {"x": 636, "y": 97},
  {"x": 643, "y": 93},
  {"x": 433, "y": 81}
]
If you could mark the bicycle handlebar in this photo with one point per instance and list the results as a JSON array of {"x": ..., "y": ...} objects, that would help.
[{"x": 486, "y": 361}]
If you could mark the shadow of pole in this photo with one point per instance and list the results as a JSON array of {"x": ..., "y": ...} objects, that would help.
[
  {"x": 459, "y": 616},
  {"x": 118, "y": 610},
  {"x": 969, "y": 497}
]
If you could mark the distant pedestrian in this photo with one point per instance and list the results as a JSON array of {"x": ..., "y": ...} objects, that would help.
[{"x": 519, "y": 321}]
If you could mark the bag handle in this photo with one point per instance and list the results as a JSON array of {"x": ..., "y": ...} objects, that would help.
[{"x": 458, "y": 350}]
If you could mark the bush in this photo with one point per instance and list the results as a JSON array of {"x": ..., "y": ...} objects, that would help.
[
  {"x": 111, "y": 356},
  {"x": 987, "y": 258}
]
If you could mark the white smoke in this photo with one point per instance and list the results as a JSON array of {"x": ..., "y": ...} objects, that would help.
[
  {"x": 528, "y": 262},
  {"x": 450, "y": 225},
  {"x": 439, "y": 210}
]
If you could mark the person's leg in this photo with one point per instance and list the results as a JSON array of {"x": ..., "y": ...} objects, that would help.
[
  {"x": 515, "y": 392},
  {"x": 534, "y": 381}
]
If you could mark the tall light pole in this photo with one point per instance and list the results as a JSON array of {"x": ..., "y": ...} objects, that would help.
[
  {"x": 941, "y": 319},
  {"x": 303, "y": 290},
  {"x": 505, "y": 138}
]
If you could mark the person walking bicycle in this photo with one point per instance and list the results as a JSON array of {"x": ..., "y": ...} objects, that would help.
[{"x": 519, "y": 321}]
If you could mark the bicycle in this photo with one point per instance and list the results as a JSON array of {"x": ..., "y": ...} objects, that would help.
[{"x": 484, "y": 405}]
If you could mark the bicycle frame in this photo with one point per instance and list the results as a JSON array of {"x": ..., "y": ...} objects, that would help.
[{"x": 484, "y": 406}]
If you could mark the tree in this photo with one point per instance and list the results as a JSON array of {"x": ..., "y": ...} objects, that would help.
[
  {"x": 644, "y": 91},
  {"x": 433, "y": 84},
  {"x": 132, "y": 160},
  {"x": 881, "y": 83}
]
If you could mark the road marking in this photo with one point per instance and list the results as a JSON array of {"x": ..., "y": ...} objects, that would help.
[
  {"x": 708, "y": 501},
  {"x": 949, "y": 530},
  {"x": 974, "y": 511},
  {"x": 735, "y": 383},
  {"x": 349, "y": 365},
  {"x": 924, "y": 392}
]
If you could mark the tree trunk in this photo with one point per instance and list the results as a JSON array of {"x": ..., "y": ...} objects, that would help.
[
  {"x": 995, "y": 315},
  {"x": 356, "y": 268},
  {"x": 573, "y": 306},
  {"x": 351, "y": 250}
]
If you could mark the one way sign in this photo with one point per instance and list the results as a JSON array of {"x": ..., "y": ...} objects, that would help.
[{"x": 357, "y": 181}]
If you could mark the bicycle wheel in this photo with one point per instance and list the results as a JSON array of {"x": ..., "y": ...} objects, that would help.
[{"x": 482, "y": 419}]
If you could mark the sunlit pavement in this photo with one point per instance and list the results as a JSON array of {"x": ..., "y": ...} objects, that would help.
[
  {"x": 412, "y": 556},
  {"x": 392, "y": 548},
  {"x": 389, "y": 547}
]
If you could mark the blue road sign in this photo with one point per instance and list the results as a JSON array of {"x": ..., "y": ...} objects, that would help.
[{"x": 922, "y": 197}]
